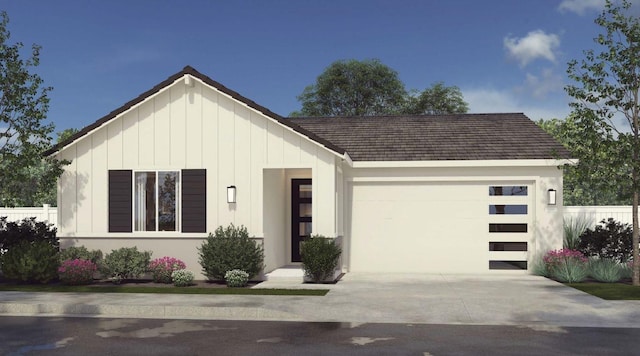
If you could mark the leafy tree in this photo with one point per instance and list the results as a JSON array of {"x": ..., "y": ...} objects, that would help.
[
  {"x": 66, "y": 134},
  {"x": 586, "y": 183},
  {"x": 24, "y": 174},
  {"x": 439, "y": 99},
  {"x": 365, "y": 88},
  {"x": 353, "y": 88},
  {"x": 608, "y": 88}
]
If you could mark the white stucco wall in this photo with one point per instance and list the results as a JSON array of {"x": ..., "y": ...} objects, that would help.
[{"x": 184, "y": 127}]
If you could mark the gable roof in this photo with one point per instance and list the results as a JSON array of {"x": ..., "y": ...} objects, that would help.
[
  {"x": 437, "y": 137},
  {"x": 391, "y": 138},
  {"x": 191, "y": 71}
]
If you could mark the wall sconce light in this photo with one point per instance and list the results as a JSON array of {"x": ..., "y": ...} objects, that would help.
[
  {"x": 552, "y": 196},
  {"x": 231, "y": 194}
]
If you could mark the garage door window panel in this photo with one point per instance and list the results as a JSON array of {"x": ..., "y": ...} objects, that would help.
[
  {"x": 508, "y": 227},
  {"x": 511, "y": 209},
  {"x": 508, "y": 190}
]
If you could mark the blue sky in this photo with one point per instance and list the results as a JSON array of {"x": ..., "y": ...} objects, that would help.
[{"x": 505, "y": 55}]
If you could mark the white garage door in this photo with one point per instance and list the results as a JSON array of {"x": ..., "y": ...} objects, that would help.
[{"x": 425, "y": 227}]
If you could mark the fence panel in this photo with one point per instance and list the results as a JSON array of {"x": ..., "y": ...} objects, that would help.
[
  {"x": 41, "y": 213},
  {"x": 597, "y": 213}
]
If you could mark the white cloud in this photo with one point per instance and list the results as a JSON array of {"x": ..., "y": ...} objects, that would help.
[
  {"x": 488, "y": 100},
  {"x": 540, "y": 86},
  {"x": 536, "y": 44},
  {"x": 580, "y": 7}
]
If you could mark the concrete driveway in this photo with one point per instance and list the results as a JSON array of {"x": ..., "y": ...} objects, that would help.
[
  {"x": 465, "y": 299},
  {"x": 361, "y": 298}
]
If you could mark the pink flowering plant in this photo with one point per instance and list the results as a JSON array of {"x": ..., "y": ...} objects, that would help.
[
  {"x": 162, "y": 268},
  {"x": 557, "y": 257},
  {"x": 567, "y": 265},
  {"x": 77, "y": 271}
]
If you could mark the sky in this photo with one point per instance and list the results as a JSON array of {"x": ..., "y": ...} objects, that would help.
[{"x": 504, "y": 55}]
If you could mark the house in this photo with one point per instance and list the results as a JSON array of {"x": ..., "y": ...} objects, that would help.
[{"x": 472, "y": 193}]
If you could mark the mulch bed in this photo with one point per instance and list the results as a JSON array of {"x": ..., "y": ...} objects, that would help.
[{"x": 144, "y": 283}]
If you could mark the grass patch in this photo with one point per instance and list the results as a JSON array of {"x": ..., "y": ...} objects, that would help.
[
  {"x": 162, "y": 290},
  {"x": 609, "y": 291}
]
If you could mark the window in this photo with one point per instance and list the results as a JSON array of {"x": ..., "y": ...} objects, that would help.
[
  {"x": 507, "y": 227},
  {"x": 508, "y": 209},
  {"x": 158, "y": 200},
  {"x": 508, "y": 265},
  {"x": 156, "y": 206},
  {"x": 507, "y": 246},
  {"x": 507, "y": 190}
]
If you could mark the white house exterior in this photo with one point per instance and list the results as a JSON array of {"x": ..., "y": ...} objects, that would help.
[{"x": 155, "y": 174}]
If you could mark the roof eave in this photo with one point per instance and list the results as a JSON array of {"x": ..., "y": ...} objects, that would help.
[{"x": 543, "y": 162}]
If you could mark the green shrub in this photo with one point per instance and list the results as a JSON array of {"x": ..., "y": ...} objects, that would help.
[
  {"x": 539, "y": 268},
  {"x": 81, "y": 253},
  {"x": 570, "y": 271},
  {"x": 125, "y": 263},
  {"x": 31, "y": 262},
  {"x": 627, "y": 269},
  {"x": 26, "y": 230},
  {"x": 320, "y": 257},
  {"x": 182, "y": 278},
  {"x": 236, "y": 278},
  {"x": 574, "y": 227},
  {"x": 605, "y": 270},
  {"x": 227, "y": 249},
  {"x": 610, "y": 239}
]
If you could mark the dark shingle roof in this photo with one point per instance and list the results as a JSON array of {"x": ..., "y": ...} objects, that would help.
[
  {"x": 436, "y": 137},
  {"x": 393, "y": 138}
]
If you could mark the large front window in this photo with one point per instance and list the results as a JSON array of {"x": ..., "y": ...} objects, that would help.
[{"x": 156, "y": 203}]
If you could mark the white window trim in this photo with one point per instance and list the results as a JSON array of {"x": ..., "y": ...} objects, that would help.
[{"x": 157, "y": 190}]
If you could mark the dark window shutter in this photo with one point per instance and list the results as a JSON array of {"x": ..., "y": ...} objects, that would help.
[
  {"x": 120, "y": 201},
  {"x": 194, "y": 200}
]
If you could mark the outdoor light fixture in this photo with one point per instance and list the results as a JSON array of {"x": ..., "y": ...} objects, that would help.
[
  {"x": 231, "y": 194},
  {"x": 552, "y": 196}
]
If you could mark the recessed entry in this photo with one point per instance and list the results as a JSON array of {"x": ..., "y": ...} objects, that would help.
[{"x": 508, "y": 227}]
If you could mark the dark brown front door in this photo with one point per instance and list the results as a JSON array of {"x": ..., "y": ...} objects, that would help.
[{"x": 300, "y": 215}]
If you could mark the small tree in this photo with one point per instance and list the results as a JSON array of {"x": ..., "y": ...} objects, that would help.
[
  {"x": 594, "y": 146},
  {"x": 369, "y": 87},
  {"x": 437, "y": 100},
  {"x": 25, "y": 176},
  {"x": 609, "y": 88},
  {"x": 354, "y": 88}
]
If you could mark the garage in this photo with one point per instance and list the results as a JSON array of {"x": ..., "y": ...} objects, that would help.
[{"x": 438, "y": 227}]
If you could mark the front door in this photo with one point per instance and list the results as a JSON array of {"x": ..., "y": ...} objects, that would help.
[{"x": 300, "y": 215}]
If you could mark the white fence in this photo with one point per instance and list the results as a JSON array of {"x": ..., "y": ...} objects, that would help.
[
  {"x": 593, "y": 213},
  {"x": 597, "y": 213},
  {"x": 41, "y": 213}
]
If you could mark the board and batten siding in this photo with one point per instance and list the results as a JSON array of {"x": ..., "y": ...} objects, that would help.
[{"x": 191, "y": 127}]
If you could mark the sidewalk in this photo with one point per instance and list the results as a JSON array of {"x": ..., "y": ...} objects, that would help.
[{"x": 359, "y": 298}]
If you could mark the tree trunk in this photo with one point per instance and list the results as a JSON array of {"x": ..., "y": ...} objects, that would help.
[{"x": 636, "y": 234}]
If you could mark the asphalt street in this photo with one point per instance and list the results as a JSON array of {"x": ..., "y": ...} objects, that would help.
[{"x": 106, "y": 336}]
